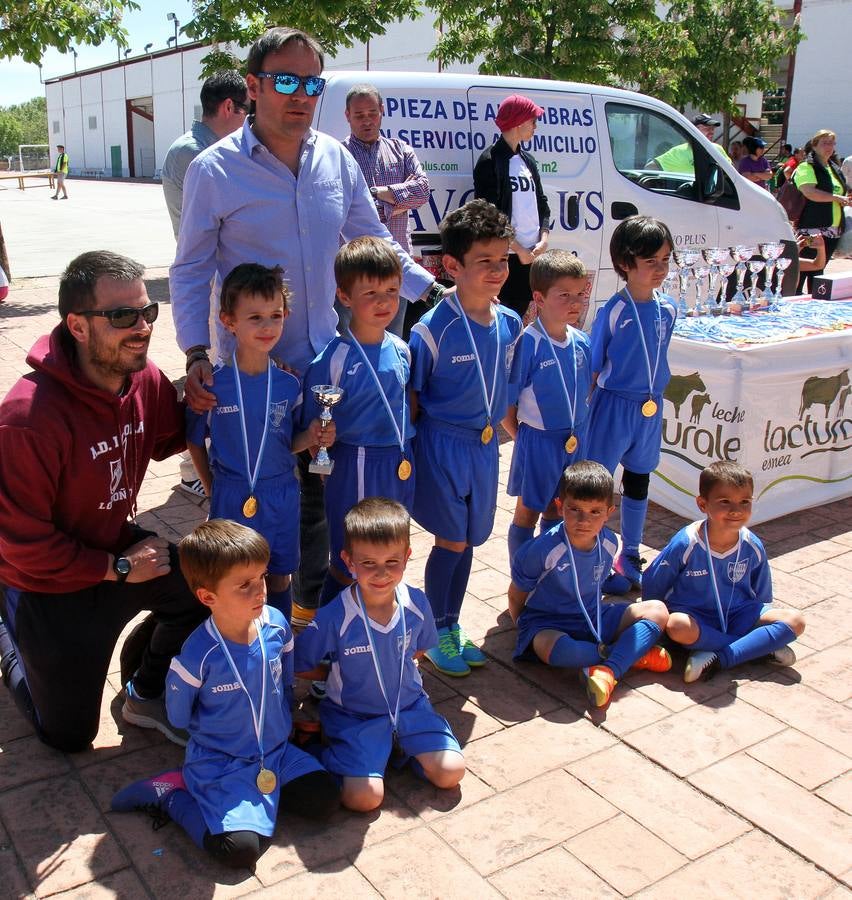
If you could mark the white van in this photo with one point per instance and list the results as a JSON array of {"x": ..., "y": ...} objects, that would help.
[{"x": 592, "y": 146}]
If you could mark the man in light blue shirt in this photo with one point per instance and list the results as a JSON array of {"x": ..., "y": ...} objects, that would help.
[{"x": 276, "y": 193}]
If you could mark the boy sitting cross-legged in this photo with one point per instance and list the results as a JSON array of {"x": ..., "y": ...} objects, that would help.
[{"x": 555, "y": 594}]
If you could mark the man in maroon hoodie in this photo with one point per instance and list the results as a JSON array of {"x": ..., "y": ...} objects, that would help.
[{"x": 76, "y": 436}]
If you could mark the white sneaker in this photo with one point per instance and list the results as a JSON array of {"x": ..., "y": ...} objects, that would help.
[
  {"x": 701, "y": 665},
  {"x": 783, "y": 656},
  {"x": 195, "y": 488}
]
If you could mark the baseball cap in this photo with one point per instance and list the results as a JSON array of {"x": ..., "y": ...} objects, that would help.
[{"x": 704, "y": 119}]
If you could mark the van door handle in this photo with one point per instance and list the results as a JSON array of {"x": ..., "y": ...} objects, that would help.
[{"x": 623, "y": 210}]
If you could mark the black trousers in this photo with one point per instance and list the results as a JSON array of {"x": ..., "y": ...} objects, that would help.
[
  {"x": 516, "y": 293},
  {"x": 313, "y": 536},
  {"x": 65, "y": 641}
]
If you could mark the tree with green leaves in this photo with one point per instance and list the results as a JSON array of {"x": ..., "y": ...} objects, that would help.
[
  {"x": 23, "y": 123},
  {"x": 29, "y": 27}
]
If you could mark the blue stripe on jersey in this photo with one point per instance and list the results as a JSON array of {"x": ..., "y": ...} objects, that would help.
[
  {"x": 222, "y": 424},
  {"x": 444, "y": 372},
  {"x": 617, "y": 354},
  {"x": 541, "y": 399},
  {"x": 337, "y": 633},
  {"x": 542, "y": 568},
  {"x": 360, "y": 417},
  {"x": 680, "y": 578}
]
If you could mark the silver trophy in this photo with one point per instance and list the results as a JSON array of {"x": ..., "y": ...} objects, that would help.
[
  {"x": 326, "y": 395},
  {"x": 716, "y": 256},
  {"x": 742, "y": 253},
  {"x": 782, "y": 265},
  {"x": 771, "y": 250},
  {"x": 755, "y": 267}
]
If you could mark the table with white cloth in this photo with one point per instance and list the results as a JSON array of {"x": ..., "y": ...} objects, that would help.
[{"x": 769, "y": 390}]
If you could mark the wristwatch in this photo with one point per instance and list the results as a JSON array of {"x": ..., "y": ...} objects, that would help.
[
  {"x": 374, "y": 191},
  {"x": 434, "y": 295},
  {"x": 121, "y": 567}
]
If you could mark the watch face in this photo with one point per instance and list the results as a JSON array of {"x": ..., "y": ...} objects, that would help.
[{"x": 122, "y": 566}]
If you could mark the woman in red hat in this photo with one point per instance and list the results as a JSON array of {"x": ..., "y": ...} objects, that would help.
[{"x": 507, "y": 176}]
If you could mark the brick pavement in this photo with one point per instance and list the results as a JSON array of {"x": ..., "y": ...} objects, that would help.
[{"x": 740, "y": 786}]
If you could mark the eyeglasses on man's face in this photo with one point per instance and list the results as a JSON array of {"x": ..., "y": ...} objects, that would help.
[
  {"x": 126, "y": 316},
  {"x": 288, "y": 83}
]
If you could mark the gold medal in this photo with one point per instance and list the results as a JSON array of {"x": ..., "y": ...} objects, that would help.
[
  {"x": 487, "y": 434},
  {"x": 250, "y": 507},
  {"x": 571, "y": 444},
  {"x": 404, "y": 470},
  {"x": 649, "y": 408},
  {"x": 266, "y": 781}
]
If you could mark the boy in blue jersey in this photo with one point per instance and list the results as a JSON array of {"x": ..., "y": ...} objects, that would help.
[
  {"x": 630, "y": 339},
  {"x": 249, "y": 472},
  {"x": 714, "y": 578},
  {"x": 555, "y": 594},
  {"x": 370, "y": 634},
  {"x": 548, "y": 419},
  {"x": 462, "y": 365},
  {"x": 372, "y": 450},
  {"x": 231, "y": 687}
]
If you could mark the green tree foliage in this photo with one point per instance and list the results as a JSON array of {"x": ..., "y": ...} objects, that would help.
[
  {"x": 23, "y": 123},
  {"x": 335, "y": 23},
  {"x": 29, "y": 27}
]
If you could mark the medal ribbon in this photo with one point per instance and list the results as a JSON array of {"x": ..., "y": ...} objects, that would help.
[
  {"x": 399, "y": 430},
  {"x": 393, "y": 713},
  {"x": 572, "y": 404},
  {"x": 659, "y": 320},
  {"x": 488, "y": 401},
  {"x": 586, "y": 616},
  {"x": 723, "y": 616},
  {"x": 257, "y": 718},
  {"x": 252, "y": 474}
]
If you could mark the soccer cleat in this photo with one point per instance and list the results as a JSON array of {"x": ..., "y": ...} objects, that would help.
[
  {"x": 630, "y": 567},
  {"x": 657, "y": 659},
  {"x": 193, "y": 487},
  {"x": 599, "y": 682},
  {"x": 446, "y": 657},
  {"x": 471, "y": 654},
  {"x": 150, "y": 714},
  {"x": 701, "y": 665},
  {"x": 148, "y": 792},
  {"x": 616, "y": 584},
  {"x": 783, "y": 656}
]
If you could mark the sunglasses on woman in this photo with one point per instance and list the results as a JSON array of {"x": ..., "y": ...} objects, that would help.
[
  {"x": 126, "y": 316},
  {"x": 288, "y": 83}
]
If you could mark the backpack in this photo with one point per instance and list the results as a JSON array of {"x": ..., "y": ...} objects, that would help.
[{"x": 793, "y": 201}]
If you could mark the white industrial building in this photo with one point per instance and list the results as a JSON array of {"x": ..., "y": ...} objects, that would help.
[{"x": 120, "y": 119}]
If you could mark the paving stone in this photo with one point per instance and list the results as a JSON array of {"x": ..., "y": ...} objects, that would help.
[
  {"x": 809, "y": 825},
  {"x": 796, "y": 553},
  {"x": 665, "y": 805},
  {"x": 479, "y": 619},
  {"x": 648, "y": 859},
  {"x": 337, "y": 879},
  {"x": 468, "y": 721},
  {"x": 559, "y": 738},
  {"x": 803, "y": 708},
  {"x": 800, "y": 591},
  {"x": 400, "y": 868},
  {"x": 12, "y": 724},
  {"x": 753, "y": 865},
  {"x": 115, "y": 737},
  {"x": 800, "y": 758},
  {"x": 828, "y": 622},
  {"x": 553, "y": 875},
  {"x": 494, "y": 553},
  {"x": 697, "y": 737},
  {"x": 27, "y": 759},
  {"x": 669, "y": 689},
  {"x": 62, "y": 840},
  {"x": 170, "y": 865},
  {"x": 839, "y": 793},
  {"x": 123, "y": 885},
  {"x": 436, "y": 689},
  {"x": 523, "y": 821},
  {"x": 429, "y": 802},
  {"x": 628, "y": 710},
  {"x": 829, "y": 671},
  {"x": 487, "y": 584},
  {"x": 13, "y": 883}
]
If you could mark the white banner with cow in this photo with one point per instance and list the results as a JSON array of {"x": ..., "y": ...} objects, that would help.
[{"x": 782, "y": 410}]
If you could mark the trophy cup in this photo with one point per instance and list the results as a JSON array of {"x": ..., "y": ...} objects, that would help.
[
  {"x": 326, "y": 395},
  {"x": 782, "y": 265},
  {"x": 715, "y": 256},
  {"x": 771, "y": 250},
  {"x": 726, "y": 269},
  {"x": 755, "y": 266},
  {"x": 742, "y": 254},
  {"x": 701, "y": 272}
]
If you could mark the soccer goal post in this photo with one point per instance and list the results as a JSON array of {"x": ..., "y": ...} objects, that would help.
[{"x": 33, "y": 157}]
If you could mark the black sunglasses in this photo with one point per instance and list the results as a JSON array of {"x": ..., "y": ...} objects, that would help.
[
  {"x": 288, "y": 83},
  {"x": 243, "y": 107},
  {"x": 126, "y": 316}
]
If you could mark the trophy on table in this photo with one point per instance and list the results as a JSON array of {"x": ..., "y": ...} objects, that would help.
[
  {"x": 716, "y": 257},
  {"x": 741, "y": 254},
  {"x": 755, "y": 266},
  {"x": 782, "y": 265},
  {"x": 701, "y": 272},
  {"x": 772, "y": 250},
  {"x": 326, "y": 395}
]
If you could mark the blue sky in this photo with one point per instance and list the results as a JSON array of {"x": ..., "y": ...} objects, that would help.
[{"x": 149, "y": 24}]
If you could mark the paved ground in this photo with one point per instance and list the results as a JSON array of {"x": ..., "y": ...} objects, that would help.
[{"x": 738, "y": 787}]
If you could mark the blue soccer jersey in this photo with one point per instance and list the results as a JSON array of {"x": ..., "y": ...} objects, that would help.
[
  {"x": 541, "y": 398},
  {"x": 361, "y": 418},
  {"x": 617, "y": 353},
  {"x": 542, "y": 568},
  {"x": 444, "y": 371},
  {"x": 222, "y": 423},
  {"x": 680, "y": 576},
  {"x": 338, "y": 634}
]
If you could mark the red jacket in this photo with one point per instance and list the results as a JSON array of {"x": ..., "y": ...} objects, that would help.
[{"x": 68, "y": 481}]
